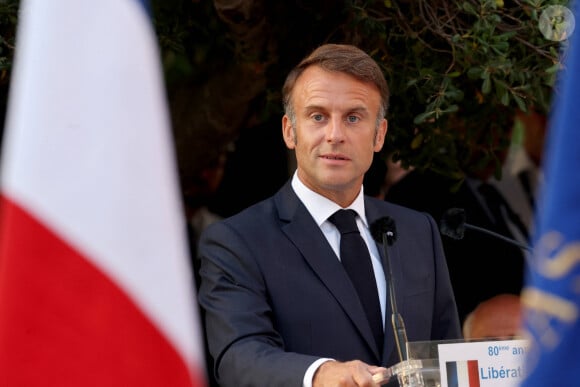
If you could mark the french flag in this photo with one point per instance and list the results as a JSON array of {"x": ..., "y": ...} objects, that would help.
[
  {"x": 464, "y": 373},
  {"x": 95, "y": 283}
]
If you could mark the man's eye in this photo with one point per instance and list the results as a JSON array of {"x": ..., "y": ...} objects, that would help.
[
  {"x": 317, "y": 117},
  {"x": 352, "y": 119}
]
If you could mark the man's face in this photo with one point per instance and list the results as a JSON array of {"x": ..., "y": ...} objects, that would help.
[{"x": 336, "y": 131}]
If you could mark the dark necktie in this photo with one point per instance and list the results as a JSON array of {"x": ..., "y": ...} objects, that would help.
[
  {"x": 355, "y": 258},
  {"x": 497, "y": 204}
]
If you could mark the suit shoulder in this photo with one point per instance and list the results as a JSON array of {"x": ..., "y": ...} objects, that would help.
[
  {"x": 256, "y": 210},
  {"x": 398, "y": 212},
  {"x": 393, "y": 208}
]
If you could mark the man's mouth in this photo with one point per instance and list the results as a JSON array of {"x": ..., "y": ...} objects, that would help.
[{"x": 332, "y": 157}]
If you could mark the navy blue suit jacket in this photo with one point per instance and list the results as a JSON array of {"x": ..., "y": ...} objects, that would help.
[{"x": 276, "y": 298}]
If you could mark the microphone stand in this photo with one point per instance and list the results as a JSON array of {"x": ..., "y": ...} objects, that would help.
[
  {"x": 453, "y": 225},
  {"x": 383, "y": 231},
  {"x": 396, "y": 318},
  {"x": 494, "y": 234}
]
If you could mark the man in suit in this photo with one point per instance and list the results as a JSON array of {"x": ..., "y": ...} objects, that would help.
[{"x": 280, "y": 308}]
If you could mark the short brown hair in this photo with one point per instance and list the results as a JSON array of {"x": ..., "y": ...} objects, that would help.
[{"x": 342, "y": 58}]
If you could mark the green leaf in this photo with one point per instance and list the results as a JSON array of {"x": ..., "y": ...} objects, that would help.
[
  {"x": 474, "y": 72},
  {"x": 419, "y": 119},
  {"x": 505, "y": 98},
  {"x": 467, "y": 7},
  {"x": 486, "y": 86},
  {"x": 521, "y": 103},
  {"x": 451, "y": 109},
  {"x": 553, "y": 69}
]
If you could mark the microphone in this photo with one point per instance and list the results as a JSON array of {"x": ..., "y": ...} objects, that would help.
[
  {"x": 453, "y": 225},
  {"x": 384, "y": 232}
]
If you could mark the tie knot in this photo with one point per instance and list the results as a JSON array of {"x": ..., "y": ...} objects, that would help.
[{"x": 345, "y": 221}]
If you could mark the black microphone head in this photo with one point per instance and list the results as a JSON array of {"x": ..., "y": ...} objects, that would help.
[
  {"x": 453, "y": 223},
  {"x": 384, "y": 225}
]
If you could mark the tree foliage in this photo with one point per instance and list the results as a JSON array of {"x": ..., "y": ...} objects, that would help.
[{"x": 457, "y": 69}]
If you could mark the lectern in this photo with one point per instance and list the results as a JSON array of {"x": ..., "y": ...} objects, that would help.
[{"x": 459, "y": 363}]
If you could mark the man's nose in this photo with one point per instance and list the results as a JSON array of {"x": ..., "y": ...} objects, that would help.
[{"x": 335, "y": 130}]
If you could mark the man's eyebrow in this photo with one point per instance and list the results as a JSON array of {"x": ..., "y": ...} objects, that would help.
[
  {"x": 362, "y": 110},
  {"x": 313, "y": 107}
]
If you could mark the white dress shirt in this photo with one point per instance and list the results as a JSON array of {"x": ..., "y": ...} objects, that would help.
[{"x": 321, "y": 209}]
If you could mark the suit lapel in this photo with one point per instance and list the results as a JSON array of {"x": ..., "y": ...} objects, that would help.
[{"x": 309, "y": 239}]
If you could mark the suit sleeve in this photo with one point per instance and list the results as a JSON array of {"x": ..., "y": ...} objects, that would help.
[{"x": 246, "y": 348}]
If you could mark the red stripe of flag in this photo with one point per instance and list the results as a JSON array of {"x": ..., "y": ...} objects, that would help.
[
  {"x": 473, "y": 372},
  {"x": 42, "y": 279}
]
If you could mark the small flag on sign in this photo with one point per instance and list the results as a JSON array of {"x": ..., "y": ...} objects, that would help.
[{"x": 463, "y": 373}]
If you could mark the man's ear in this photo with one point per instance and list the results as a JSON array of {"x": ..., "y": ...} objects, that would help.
[
  {"x": 381, "y": 135},
  {"x": 288, "y": 132}
]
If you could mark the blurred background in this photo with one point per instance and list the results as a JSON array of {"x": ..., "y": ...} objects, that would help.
[{"x": 460, "y": 74}]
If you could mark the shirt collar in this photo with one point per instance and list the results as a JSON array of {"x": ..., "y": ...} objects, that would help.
[{"x": 320, "y": 207}]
